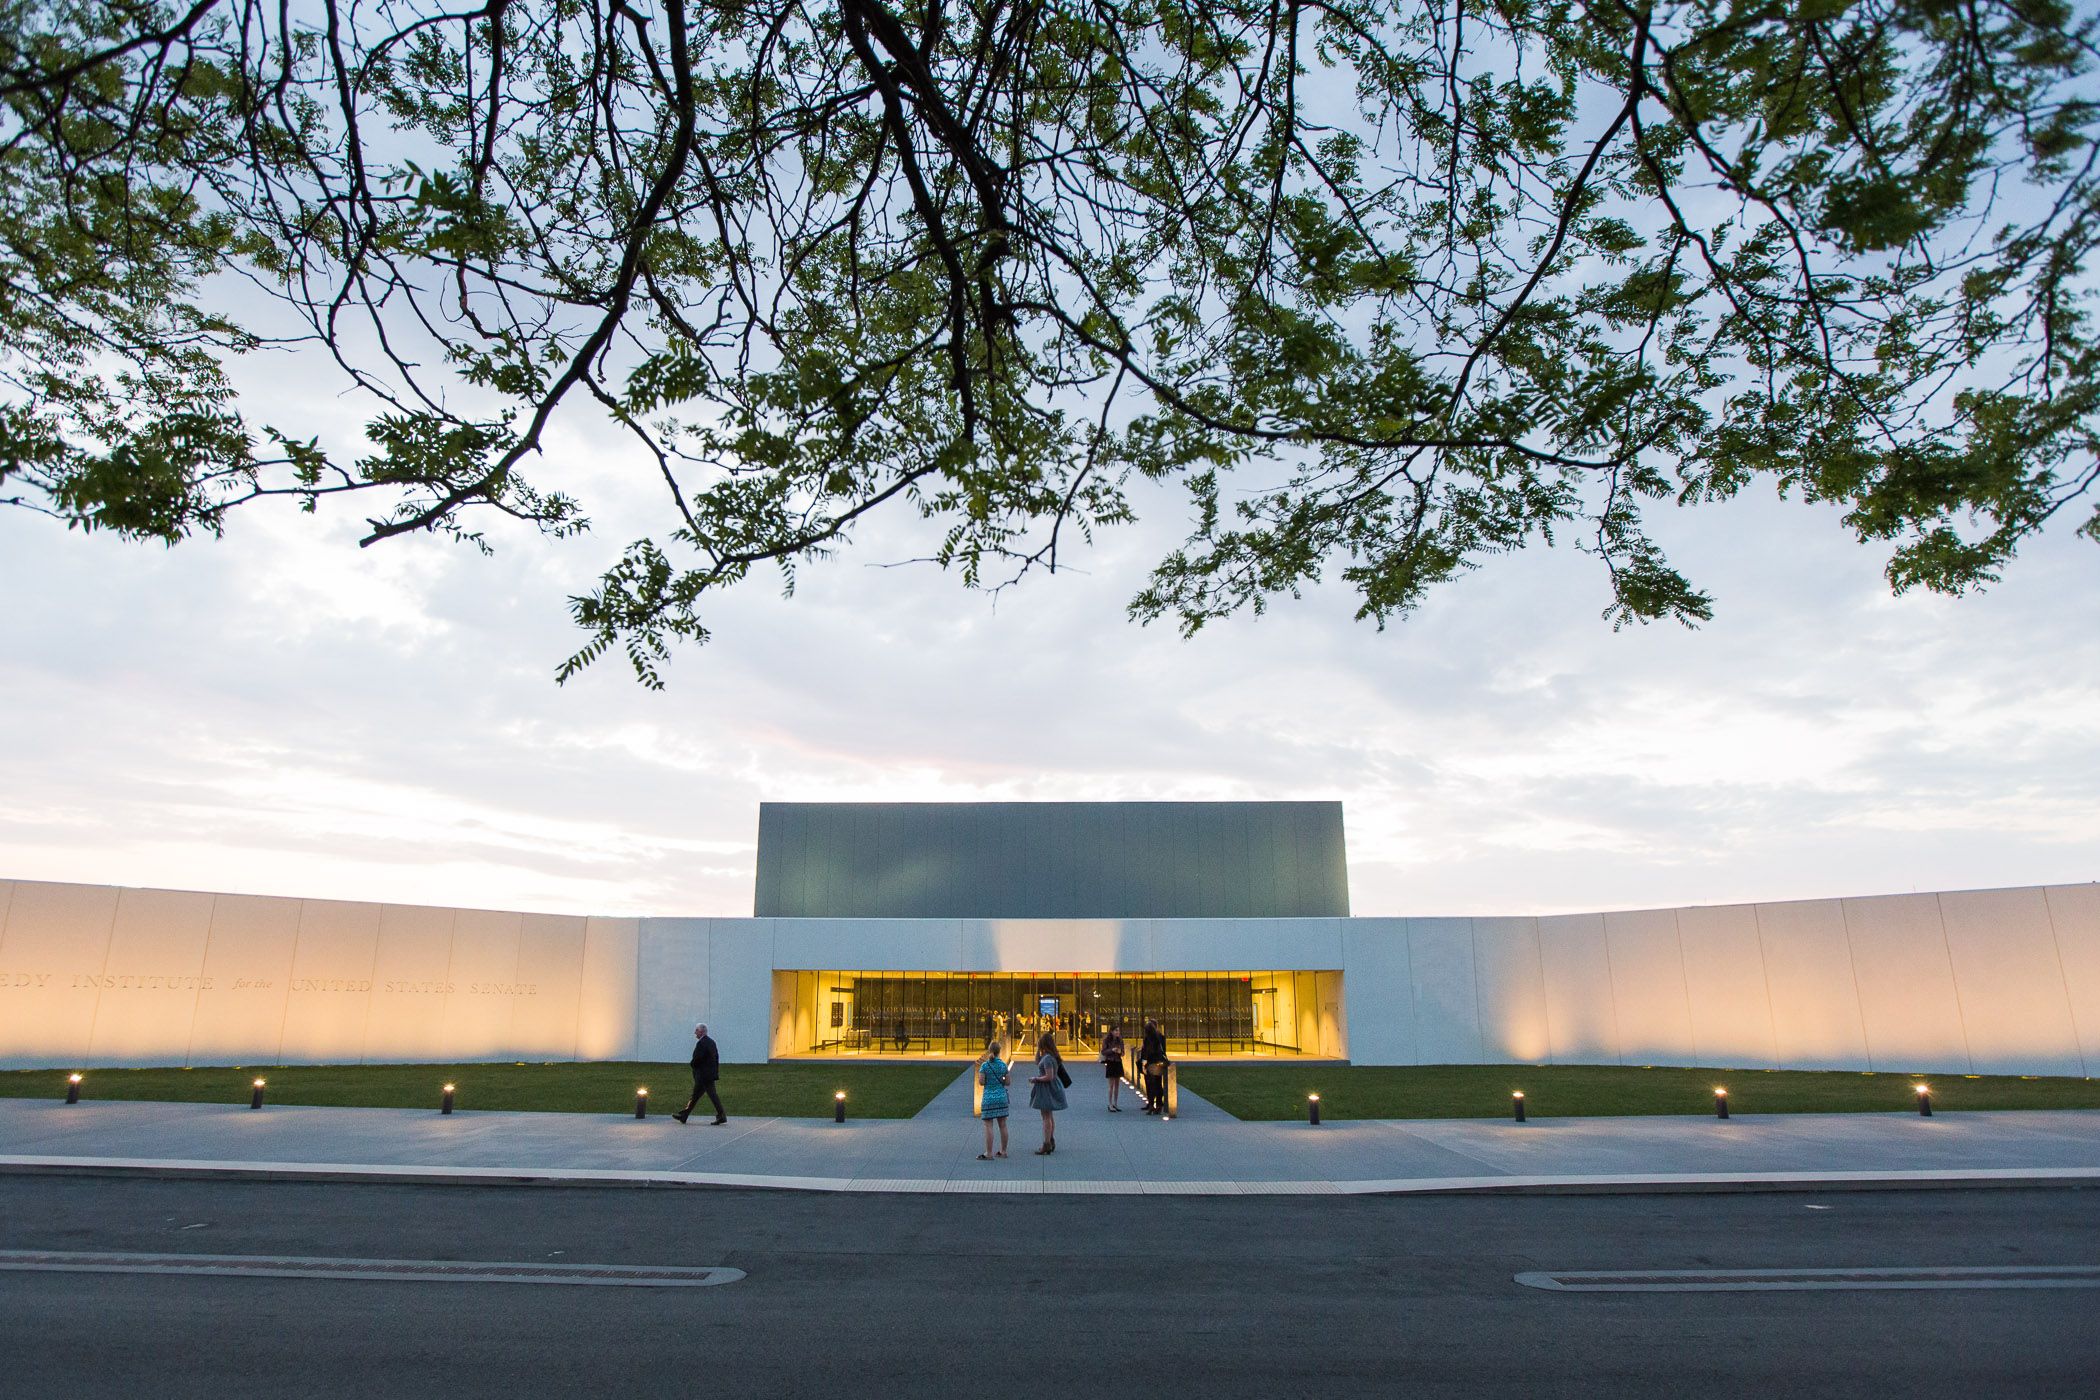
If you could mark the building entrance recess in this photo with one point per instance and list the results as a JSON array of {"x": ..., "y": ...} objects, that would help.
[{"x": 952, "y": 1014}]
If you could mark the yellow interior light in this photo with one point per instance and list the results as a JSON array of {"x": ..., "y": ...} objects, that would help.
[
  {"x": 258, "y": 1084},
  {"x": 75, "y": 1078}
]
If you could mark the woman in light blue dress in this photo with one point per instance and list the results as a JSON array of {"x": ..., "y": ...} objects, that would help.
[
  {"x": 992, "y": 1074},
  {"x": 1045, "y": 1093}
]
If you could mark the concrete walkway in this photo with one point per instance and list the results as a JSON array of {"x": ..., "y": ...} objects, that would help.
[{"x": 1203, "y": 1152}]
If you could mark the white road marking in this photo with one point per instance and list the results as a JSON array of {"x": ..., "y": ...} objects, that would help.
[
  {"x": 1800, "y": 1280},
  {"x": 392, "y": 1270}
]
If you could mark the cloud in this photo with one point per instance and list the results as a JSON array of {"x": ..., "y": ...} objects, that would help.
[{"x": 282, "y": 712}]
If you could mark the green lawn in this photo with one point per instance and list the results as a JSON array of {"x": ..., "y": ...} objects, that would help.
[
  {"x": 1483, "y": 1091},
  {"x": 606, "y": 1086}
]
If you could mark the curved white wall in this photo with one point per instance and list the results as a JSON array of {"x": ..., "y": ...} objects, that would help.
[
  {"x": 1969, "y": 982},
  {"x": 91, "y": 975}
]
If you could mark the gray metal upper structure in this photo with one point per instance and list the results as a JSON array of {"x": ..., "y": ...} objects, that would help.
[{"x": 1051, "y": 860}]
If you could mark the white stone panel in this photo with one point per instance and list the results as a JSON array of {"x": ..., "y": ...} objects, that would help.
[
  {"x": 155, "y": 969},
  {"x": 1046, "y": 945},
  {"x": 411, "y": 979},
  {"x": 2074, "y": 915},
  {"x": 2015, "y": 1008},
  {"x": 868, "y": 945},
  {"x": 330, "y": 1000},
  {"x": 1334, "y": 1014},
  {"x": 609, "y": 1007},
  {"x": 247, "y": 976},
  {"x": 1906, "y": 984},
  {"x": 1579, "y": 1019},
  {"x": 1379, "y": 990},
  {"x": 550, "y": 981},
  {"x": 1815, "y": 1003},
  {"x": 1724, "y": 972},
  {"x": 673, "y": 987},
  {"x": 740, "y": 989},
  {"x": 1239, "y": 945},
  {"x": 1651, "y": 1006},
  {"x": 1511, "y": 988},
  {"x": 52, "y": 956},
  {"x": 1446, "y": 997},
  {"x": 482, "y": 984}
]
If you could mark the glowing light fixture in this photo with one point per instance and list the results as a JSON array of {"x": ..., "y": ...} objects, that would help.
[
  {"x": 446, "y": 1105},
  {"x": 73, "y": 1089},
  {"x": 1720, "y": 1103},
  {"x": 641, "y": 1103},
  {"x": 1517, "y": 1098},
  {"x": 1924, "y": 1100},
  {"x": 838, "y": 1107},
  {"x": 255, "y": 1100}
]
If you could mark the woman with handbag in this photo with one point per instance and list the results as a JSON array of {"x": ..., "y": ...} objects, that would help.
[
  {"x": 992, "y": 1073},
  {"x": 1112, "y": 1060},
  {"x": 1047, "y": 1091}
]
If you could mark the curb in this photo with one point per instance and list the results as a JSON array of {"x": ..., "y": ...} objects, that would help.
[{"x": 1620, "y": 1184}]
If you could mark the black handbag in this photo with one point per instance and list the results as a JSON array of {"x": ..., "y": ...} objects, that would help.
[{"x": 1063, "y": 1077}]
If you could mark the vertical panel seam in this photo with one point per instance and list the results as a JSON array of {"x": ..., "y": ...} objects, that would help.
[
  {"x": 583, "y": 961},
  {"x": 1479, "y": 1017},
  {"x": 1684, "y": 973},
  {"x": 284, "y": 1017},
  {"x": 1859, "y": 998},
  {"x": 2085, "y": 1066},
  {"x": 1611, "y": 985},
  {"x": 1764, "y": 970},
  {"x": 109, "y": 938},
  {"x": 1414, "y": 1001},
  {"x": 445, "y": 998},
  {"x": 641, "y": 928},
  {"x": 1960, "y": 1017},
  {"x": 364, "y": 1034},
  {"x": 211, "y": 926},
  {"x": 1538, "y": 953}
]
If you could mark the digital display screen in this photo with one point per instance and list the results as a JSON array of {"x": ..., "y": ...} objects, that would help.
[{"x": 1046, "y": 1006}]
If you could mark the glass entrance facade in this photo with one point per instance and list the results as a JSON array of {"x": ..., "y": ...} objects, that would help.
[{"x": 919, "y": 1014}]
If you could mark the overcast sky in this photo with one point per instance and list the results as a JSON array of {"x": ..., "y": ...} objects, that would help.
[{"x": 281, "y": 712}]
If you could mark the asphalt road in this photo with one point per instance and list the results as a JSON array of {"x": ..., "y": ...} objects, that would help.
[{"x": 878, "y": 1296}]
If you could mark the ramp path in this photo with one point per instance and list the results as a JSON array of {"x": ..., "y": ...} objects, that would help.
[{"x": 1202, "y": 1152}]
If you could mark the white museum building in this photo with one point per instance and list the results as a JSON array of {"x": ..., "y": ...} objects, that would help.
[{"x": 917, "y": 930}]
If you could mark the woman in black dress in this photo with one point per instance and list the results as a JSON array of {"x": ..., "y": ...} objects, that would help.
[{"x": 1112, "y": 1059}]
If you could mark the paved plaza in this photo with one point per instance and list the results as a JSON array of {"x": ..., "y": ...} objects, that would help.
[{"x": 1202, "y": 1152}]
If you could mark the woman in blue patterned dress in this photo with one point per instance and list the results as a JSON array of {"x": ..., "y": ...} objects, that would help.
[
  {"x": 1045, "y": 1093},
  {"x": 992, "y": 1074}
]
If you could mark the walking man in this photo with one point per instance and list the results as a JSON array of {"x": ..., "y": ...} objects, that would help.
[{"x": 707, "y": 1068}]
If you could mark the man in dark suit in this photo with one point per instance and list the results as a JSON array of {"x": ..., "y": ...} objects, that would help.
[{"x": 707, "y": 1068}]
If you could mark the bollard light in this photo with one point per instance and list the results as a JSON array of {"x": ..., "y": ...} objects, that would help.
[
  {"x": 256, "y": 1100},
  {"x": 446, "y": 1106},
  {"x": 641, "y": 1103},
  {"x": 73, "y": 1089},
  {"x": 1924, "y": 1100},
  {"x": 1720, "y": 1103},
  {"x": 1517, "y": 1098},
  {"x": 838, "y": 1107},
  {"x": 1312, "y": 1108}
]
